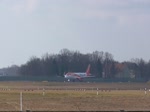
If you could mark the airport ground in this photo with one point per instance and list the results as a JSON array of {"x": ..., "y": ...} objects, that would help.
[{"x": 74, "y": 96}]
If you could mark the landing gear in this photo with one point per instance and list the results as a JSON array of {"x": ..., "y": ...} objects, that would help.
[{"x": 73, "y": 80}]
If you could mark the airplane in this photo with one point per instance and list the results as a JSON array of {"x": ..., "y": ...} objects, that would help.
[{"x": 78, "y": 75}]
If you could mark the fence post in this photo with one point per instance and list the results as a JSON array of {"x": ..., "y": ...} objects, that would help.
[
  {"x": 97, "y": 91},
  {"x": 21, "y": 101}
]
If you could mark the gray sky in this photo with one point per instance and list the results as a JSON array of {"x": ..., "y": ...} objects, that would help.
[{"x": 35, "y": 27}]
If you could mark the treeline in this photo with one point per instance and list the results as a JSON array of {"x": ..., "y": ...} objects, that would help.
[
  {"x": 10, "y": 71},
  {"x": 102, "y": 65}
]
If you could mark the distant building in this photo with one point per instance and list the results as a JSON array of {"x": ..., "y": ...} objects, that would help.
[{"x": 123, "y": 71}]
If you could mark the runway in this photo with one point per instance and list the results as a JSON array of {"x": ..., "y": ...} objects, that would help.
[{"x": 77, "y": 86}]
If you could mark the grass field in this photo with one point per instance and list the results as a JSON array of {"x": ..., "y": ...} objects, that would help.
[{"x": 74, "y": 96}]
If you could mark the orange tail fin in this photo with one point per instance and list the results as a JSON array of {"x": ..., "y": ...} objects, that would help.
[{"x": 88, "y": 70}]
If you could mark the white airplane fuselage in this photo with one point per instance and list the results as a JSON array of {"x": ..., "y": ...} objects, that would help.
[{"x": 78, "y": 75}]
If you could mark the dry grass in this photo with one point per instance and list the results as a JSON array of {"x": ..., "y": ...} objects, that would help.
[{"x": 72, "y": 100}]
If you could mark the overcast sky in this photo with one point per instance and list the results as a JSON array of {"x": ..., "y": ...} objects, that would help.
[{"x": 35, "y": 27}]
